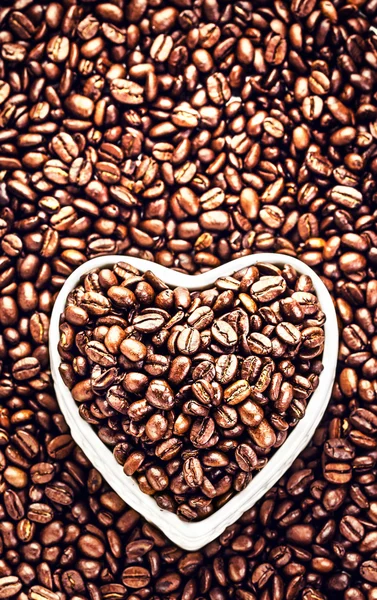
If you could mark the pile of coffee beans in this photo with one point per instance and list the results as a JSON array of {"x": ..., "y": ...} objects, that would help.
[
  {"x": 287, "y": 163},
  {"x": 192, "y": 391}
]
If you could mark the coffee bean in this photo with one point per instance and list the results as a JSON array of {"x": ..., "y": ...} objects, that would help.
[
  {"x": 288, "y": 333},
  {"x": 133, "y": 349},
  {"x": 201, "y": 318},
  {"x": 9, "y": 586},
  {"x": 226, "y": 368},
  {"x": 26, "y": 368},
  {"x": 188, "y": 341},
  {"x": 121, "y": 296},
  {"x": 193, "y": 472},
  {"x": 148, "y": 323},
  {"x": 65, "y": 147},
  {"x": 368, "y": 571},
  {"x": 338, "y": 472},
  {"x": 224, "y": 334},
  {"x": 246, "y": 457},
  {"x": 237, "y": 392},
  {"x": 202, "y": 431},
  {"x": 156, "y": 427},
  {"x": 259, "y": 344},
  {"x": 126, "y": 92},
  {"x": 339, "y": 449},
  {"x": 133, "y": 462},
  {"x": 39, "y": 592},
  {"x": 135, "y": 577},
  {"x": 268, "y": 288},
  {"x": 218, "y": 88},
  {"x": 79, "y": 105},
  {"x": 160, "y": 394},
  {"x": 95, "y": 304},
  {"x": 351, "y": 529},
  {"x": 263, "y": 435}
]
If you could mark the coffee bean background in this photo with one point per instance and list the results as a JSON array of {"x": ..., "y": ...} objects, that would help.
[
  {"x": 193, "y": 392},
  {"x": 189, "y": 133}
]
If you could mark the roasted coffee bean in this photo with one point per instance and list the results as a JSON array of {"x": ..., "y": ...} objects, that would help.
[
  {"x": 148, "y": 323},
  {"x": 160, "y": 394},
  {"x": 224, "y": 334},
  {"x": 156, "y": 427},
  {"x": 237, "y": 392},
  {"x": 268, "y": 288},
  {"x": 246, "y": 457},
  {"x": 259, "y": 344},
  {"x": 188, "y": 341},
  {"x": 126, "y": 92},
  {"x": 226, "y": 368},
  {"x": 289, "y": 333},
  {"x": 225, "y": 416},
  {"x": 135, "y": 577},
  {"x": 351, "y": 528},
  {"x": 10, "y": 585},
  {"x": 193, "y": 472},
  {"x": 201, "y": 432}
]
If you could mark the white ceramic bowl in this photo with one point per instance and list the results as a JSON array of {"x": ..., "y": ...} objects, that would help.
[{"x": 192, "y": 536}]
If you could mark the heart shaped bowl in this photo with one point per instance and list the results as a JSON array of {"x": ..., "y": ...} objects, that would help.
[{"x": 194, "y": 535}]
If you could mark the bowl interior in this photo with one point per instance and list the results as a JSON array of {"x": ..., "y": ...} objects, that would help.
[{"x": 193, "y": 535}]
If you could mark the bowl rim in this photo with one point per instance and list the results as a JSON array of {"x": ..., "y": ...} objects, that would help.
[{"x": 194, "y": 535}]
